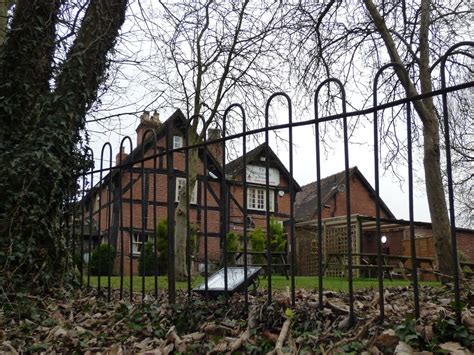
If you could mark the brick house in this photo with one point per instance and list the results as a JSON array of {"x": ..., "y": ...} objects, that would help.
[
  {"x": 395, "y": 233},
  {"x": 130, "y": 202}
]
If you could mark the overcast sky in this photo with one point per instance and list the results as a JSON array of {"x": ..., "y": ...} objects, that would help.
[
  {"x": 393, "y": 191},
  {"x": 134, "y": 95}
]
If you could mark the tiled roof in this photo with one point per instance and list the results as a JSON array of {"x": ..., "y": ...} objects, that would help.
[{"x": 306, "y": 203}]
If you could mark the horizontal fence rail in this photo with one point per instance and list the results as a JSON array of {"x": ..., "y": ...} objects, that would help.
[{"x": 126, "y": 218}]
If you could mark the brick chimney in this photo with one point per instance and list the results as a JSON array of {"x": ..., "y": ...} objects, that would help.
[
  {"x": 216, "y": 148},
  {"x": 147, "y": 122},
  {"x": 120, "y": 156}
]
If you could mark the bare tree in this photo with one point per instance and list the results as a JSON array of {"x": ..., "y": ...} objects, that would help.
[
  {"x": 207, "y": 55},
  {"x": 350, "y": 37}
]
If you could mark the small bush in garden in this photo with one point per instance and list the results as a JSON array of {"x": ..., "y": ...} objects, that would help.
[
  {"x": 278, "y": 242},
  {"x": 232, "y": 246},
  {"x": 78, "y": 260},
  {"x": 162, "y": 247},
  {"x": 147, "y": 260},
  {"x": 103, "y": 256},
  {"x": 257, "y": 243}
]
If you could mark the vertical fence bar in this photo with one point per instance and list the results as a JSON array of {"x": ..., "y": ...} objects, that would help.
[
  {"x": 292, "y": 203},
  {"x": 267, "y": 196},
  {"x": 109, "y": 227},
  {"x": 188, "y": 211},
  {"x": 121, "y": 226},
  {"x": 377, "y": 199},
  {"x": 170, "y": 214},
  {"x": 348, "y": 204},
  {"x": 144, "y": 205},
  {"x": 411, "y": 215},
  {"x": 224, "y": 198},
  {"x": 245, "y": 202},
  {"x": 267, "y": 201},
  {"x": 91, "y": 221},
  {"x": 99, "y": 271},
  {"x": 83, "y": 212},
  {"x": 155, "y": 220},
  {"x": 347, "y": 191},
  {"x": 120, "y": 223},
  {"x": 224, "y": 204},
  {"x": 205, "y": 188},
  {"x": 449, "y": 172},
  {"x": 144, "y": 219},
  {"x": 319, "y": 199},
  {"x": 88, "y": 153},
  {"x": 131, "y": 226},
  {"x": 267, "y": 213},
  {"x": 377, "y": 192},
  {"x": 72, "y": 206}
]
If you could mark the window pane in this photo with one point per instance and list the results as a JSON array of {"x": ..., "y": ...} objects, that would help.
[
  {"x": 181, "y": 183},
  {"x": 177, "y": 142},
  {"x": 261, "y": 199}
]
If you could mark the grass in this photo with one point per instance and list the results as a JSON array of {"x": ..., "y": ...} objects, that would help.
[{"x": 279, "y": 283}]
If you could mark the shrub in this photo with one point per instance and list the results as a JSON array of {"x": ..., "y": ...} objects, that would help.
[
  {"x": 232, "y": 246},
  {"x": 257, "y": 243},
  {"x": 278, "y": 242},
  {"x": 162, "y": 247},
  {"x": 79, "y": 262},
  {"x": 103, "y": 256},
  {"x": 147, "y": 260}
]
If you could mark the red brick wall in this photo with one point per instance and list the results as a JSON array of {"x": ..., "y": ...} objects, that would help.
[
  {"x": 361, "y": 202},
  {"x": 425, "y": 244},
  {"x": 213, "y": 212},
  {"x": 393, "y": 245},
  {"x": 466, "y": 244}
]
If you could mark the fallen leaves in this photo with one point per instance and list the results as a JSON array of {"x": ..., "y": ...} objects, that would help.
[{"x": 82, "y": 322}]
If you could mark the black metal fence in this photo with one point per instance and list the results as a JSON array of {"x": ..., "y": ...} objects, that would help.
[{"x": 122, "y": 205}]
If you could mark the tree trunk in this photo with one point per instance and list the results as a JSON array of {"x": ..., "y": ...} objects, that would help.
[
  {"x": 426, "y": 111},
  {"x": 182, "y": 210},
  {"x": 40, "y": 136},
  {"x": 436, "y": 197}
]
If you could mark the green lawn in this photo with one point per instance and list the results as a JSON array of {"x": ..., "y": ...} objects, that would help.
[{"x": 279, "y": 283}]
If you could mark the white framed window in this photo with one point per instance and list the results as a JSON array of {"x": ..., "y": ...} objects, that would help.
[
  {"x": 177, "y": 142},
  {"x": 256, "y": 199},
  {"x": 137, "y": 240},
  {"x": 180, "y": 184}
]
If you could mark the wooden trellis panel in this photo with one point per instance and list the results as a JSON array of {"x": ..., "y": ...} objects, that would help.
[{"x": 335, "y": 241}]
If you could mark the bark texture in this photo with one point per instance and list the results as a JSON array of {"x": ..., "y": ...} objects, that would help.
[
  {"x": 426, "y": 112},
  {"x": 42, "y": 113}
]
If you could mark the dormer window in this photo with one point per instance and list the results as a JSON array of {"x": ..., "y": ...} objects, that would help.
[{"x": 177, "y": 142}]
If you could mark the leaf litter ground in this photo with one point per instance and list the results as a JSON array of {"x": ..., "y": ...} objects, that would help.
[{"x": 83, "y": 322}]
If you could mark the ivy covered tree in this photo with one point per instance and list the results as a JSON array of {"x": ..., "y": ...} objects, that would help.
[{"x": 53, "y": 61}]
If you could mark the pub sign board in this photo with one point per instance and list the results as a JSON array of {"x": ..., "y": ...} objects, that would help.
[{"x": 257, "y": 175}]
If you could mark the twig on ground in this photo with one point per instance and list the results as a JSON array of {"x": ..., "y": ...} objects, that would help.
[
  {"x": 358, "y": 335},
  {"x": 282, "y": 337},
  {"x": 244, "y": 337},
  {"x": 335, "y": 308}
]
